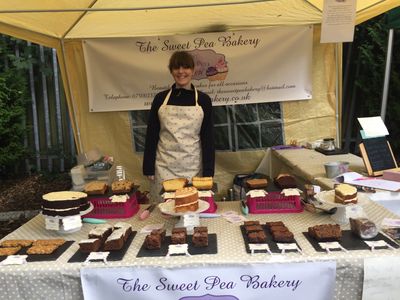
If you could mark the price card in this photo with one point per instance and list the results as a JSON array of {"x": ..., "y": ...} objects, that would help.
[
  {"x": 168, "y": 195},
  {"x": 191, "y": 220},
  {"x": 93, "y": 256},
  {"x": 332, "y": 245},
  {"x": 256, "y": 193},
  {"x": 72, "y": 222},
  {"x": 259, "y": 247},
  {"x": 291, "y": 246},
  {"x": 378, "y": 244},
  {"x": 52, "y": 223},
  {"x": 205, "y": 194},
  {"x": 178, "y": 249},
  {"x": 14, "y": 260}
]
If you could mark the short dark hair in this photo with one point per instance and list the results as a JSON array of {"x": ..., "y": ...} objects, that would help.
[{"x": 181, "y": 59}]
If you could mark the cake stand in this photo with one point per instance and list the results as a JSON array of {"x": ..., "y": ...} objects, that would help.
[
  {"x": 344, "y": 211},
  {"x": 168, "y": 208}
]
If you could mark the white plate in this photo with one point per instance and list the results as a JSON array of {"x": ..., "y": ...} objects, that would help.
[
  {"x": 168, "y": 208},
  {"x": 88, "y": 210},
  {"x": 328, "y": 198}
]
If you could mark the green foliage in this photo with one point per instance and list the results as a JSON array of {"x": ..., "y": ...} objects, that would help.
[
  {"x": 13, "y": 95},
  {"x": 371, "y": 40}
]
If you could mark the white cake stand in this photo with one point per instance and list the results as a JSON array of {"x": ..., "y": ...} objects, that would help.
[{"x": 168, "y": 208}]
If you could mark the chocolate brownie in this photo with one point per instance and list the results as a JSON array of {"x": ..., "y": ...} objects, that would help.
[
  {"x": 325, "y": 232},
  {"x": 126, "y": 227},
  {"x": 89, "y": 245},
  {"x": 178, "y": 235},
  {"x": 283, "y": 236},
  {"x": 278, "y": 223},
  {"x": 253, "y": 228},
  {"x": 200, "y": 239},
  {"x": 101, "y": 231},
  {"x": 153, "y": 241},
  {"x": 250, "y": 223},
  {"x": 257, "y": 237},
  {"x": 161, "y": 232},
  {"x": 278, "y": 228},
  {"x": 115, "y": 241}
]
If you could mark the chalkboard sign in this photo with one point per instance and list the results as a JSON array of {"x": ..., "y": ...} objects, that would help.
[{"x": 377, "y": 155}]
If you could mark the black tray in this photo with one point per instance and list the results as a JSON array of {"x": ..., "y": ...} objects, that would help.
[
  {"x": 337, "y": 151},
  {"x": 271, "y": 243},
  {"x": 42, "y": 257},
  {"x": 350, "y": 241},
  {"x": 212, "y": 247},
  {"x": 114, "y": 255}
]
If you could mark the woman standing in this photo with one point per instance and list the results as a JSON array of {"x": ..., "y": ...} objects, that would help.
[{"x": 179, "y": 138}]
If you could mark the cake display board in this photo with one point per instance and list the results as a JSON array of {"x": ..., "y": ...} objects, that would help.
[
  {"x": 350, "y": 241},
  {"x": 43, "y": 257},
  {"x": 271, "y": 243},
  {"x": 212, "y": 247},
  {"x": 115, "y": 255}
]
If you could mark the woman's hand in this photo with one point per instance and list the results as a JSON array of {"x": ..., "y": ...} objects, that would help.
[{"x": 150, "y": 177}]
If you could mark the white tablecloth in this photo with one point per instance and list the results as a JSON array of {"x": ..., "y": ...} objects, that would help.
[{"x": 61, "y": 280}]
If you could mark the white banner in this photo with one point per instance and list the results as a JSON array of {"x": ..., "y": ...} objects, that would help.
[
  {"x": 311, "y": 281},
  {"x": 238, "y": 67}
]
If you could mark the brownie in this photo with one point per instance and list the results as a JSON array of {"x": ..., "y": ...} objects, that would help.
[
  {"x": 250, "y": 223},
  {"x": 200, "y": 239},
  {"x": 89, "y": 245},
  {"x": 285, "y": 181},
  {"x": 160, "y": 232},
  {"x": 102, "y": 232},
  {"x": 257, "y": 237},
  {"x": 200, "y": 229},
  {"x": 253, "y": 228},
  {"x": 153, "y": 241},
  {"x": 278, "y": 223},
  {"x": 126, "y": 227},
  {"x": 115, "y": 241},
  {"x": 278, "y": 228},
  {"x": 283, "y": 236},
  {"x": 325, "y": 232},
  {"x": 178, "y": 235}
]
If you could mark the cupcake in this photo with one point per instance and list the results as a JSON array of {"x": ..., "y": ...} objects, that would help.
[
  {"x": 222, "y": 69},
  {"x": 212, "y": 73}
]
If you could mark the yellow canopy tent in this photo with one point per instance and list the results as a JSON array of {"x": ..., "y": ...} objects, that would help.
[{"x": 64, "y": 24}]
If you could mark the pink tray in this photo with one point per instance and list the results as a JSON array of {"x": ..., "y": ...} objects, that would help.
[
  {"x": 274, "y": 203},
  {"x": 105, "y": 209}
]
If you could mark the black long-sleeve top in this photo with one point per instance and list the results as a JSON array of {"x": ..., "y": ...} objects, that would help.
[{"x": 180, "y": 97}]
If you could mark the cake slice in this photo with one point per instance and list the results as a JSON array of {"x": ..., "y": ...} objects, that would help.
[
  {"x": 257, "y": 183},
  {"x": 172, "y": 185},
  {"x": 96, "y": 188},
  {"x": 122, "y": 186},
  {"x": 345, "y": 194},
  {"x": 202, "y": 183}
]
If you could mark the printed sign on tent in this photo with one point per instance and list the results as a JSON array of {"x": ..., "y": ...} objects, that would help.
[
  {"x": 239, "y": 67},
  {"x": 311, "y": 281}
]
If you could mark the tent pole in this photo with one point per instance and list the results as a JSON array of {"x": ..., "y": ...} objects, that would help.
[
  {"x": 78, "y": 131},
  {"x": 387, "y": 75},
  {"x": 337, "y": 96}
]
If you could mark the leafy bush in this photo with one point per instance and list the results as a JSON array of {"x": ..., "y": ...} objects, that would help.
[{"x": 13, "y": 90}]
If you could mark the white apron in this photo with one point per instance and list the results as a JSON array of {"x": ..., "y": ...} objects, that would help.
[{"x": 179, "y": 146}]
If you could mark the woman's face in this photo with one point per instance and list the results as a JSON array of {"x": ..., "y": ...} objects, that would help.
[{"x": 182, "y": 76}]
